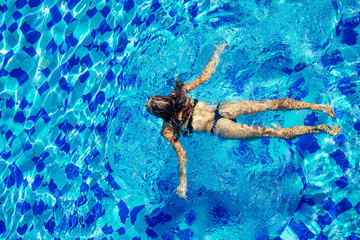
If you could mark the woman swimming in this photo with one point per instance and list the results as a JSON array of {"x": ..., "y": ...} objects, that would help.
[{"x": 183, "y": 115}]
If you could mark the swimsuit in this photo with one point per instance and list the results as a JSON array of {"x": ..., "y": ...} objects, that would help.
[
  {"x": 216, "y": 118},
  {"x": 189, "y": 125}
]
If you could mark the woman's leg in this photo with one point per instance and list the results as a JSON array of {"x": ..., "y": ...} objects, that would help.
[
  {"x": 228, "y": 129},
  {"x": 233, "y": 109}
]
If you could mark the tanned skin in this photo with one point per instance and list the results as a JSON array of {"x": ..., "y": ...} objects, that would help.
[{"x": 203, "y": 119}]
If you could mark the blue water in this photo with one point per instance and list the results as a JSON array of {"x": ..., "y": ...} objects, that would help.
[{"x": 81, "y": 159}]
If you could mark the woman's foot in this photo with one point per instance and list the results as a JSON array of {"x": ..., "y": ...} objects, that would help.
[
  {"x": 331, "y": 130},
  {"x": 324, "y": 108}
]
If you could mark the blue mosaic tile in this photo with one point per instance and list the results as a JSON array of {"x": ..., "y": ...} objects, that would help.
[
  {"x": 68, "y": 18},
  {"x": 151, "y": 234},
  {"x": 121, "y": 231},
  {"x": 104, "y": 28},
  {"x": 97, "y": 210},
  {"x": 17, "y": 15},
  {"x": 301, "y": 230},
  {"x": 3, "y": 72},
  {"x": 302, "y": 177},
  {"x": 134, "y": 212},
  {"x": 20, "y": 4},
  {"x": 150, "y": 19},
  {"x": 39, "y": 208},
  {"x": 321, "y": 236},
  {"x": 190, "y": 218},
  {"x": 340, "y": 159},
  {"x": 311, "y": 119},
  {"x": 332, "y": 59},
  {"x": 72, "y": 171},
  {"x": 342, "y": 182},
  {"x": 307, "y": 143},
  {"x": 91, "y": 12},
  {"x": 161, "y": 218},
  {"x": 52, "y": 46},
  {"x": 45, "y": 85},
  {"x": 80, "y": 201},
  {"x": 123, "y": 211},
  {"x": 155, "y": 5},
  {"x": 31, "y": 35},
  {"x": 328, "y": 204},
  {"x": 305, "y": 200},
  {"x": 34, "y": 3},
  {"x": 110, "y": 179},
  {"x": 9, "y": 181},
  {"x": 105, "y": 11},
  {"x": 357, "y": 208},
  {"x": 73, "y": 220},
  {"x": 107, "y": 230},
  {"x": 50, "y": 225},
  {"x": 334, "y": 212},
  {"x": 86, "y": 174},
  {"x": 346, "y": 87},
  {"x": 10, "y": 103},
  {"x": 53, "y": 188},
  {"x": 3, "y": 8},
  {"x": 108, "y": 167},
  {"x": 348, "y": 33},
  {"x": 340, "y": 140},
  {"x": 169, "y": 234},
  {"x": 30, "y": 51},
  {"x": 37, "y": 182},
  {"x": 72, "y": 3},
  {"x": 86, "y": 60},
  {"x": 13, "y": 27},
  {"x": 300, "y": 66},
  {"x": 39, "y": 162},
  {"x": 353, "y": 236},
  {"x": 344, "y": 205},
  {"x": 3, "y": 27},
  {"x": 23, "y": 207},
  {"x": 324, "y": 220},
  {"x": 2, "y": 227},
  {"x": 5, "y": 155},
  {"x": 98, "y": 192},
  {"x": 357, "y": 125},
  {"x": 128, "y": 5},
  {"x": 185, "y": 234}
]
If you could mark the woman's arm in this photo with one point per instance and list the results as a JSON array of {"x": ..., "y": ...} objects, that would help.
[
  {"x": 208, "y": 70},
  {"x": 168, "y": 134}
]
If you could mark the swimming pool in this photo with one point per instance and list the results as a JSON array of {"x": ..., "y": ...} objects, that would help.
[{"x": 81, "y": 159}]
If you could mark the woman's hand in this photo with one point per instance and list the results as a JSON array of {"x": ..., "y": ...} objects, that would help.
[
  {"x": 220, "y": 49},
  {"x": 181, "y": 191},
  {"x": 208, "y": 70}
]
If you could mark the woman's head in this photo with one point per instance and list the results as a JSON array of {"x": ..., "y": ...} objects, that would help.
[
  {"x": 174, "y": 109},
  {"x": 161, "y": 106}
]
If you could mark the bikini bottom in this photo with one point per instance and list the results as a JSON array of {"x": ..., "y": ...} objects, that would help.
[{"x": 217, "y": 117}]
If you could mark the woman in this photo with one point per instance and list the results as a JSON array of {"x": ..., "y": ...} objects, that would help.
[{"x": 183, "y": 115}]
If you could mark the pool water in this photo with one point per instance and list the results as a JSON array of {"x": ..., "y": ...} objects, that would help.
[{"x": 80, "y": 157}]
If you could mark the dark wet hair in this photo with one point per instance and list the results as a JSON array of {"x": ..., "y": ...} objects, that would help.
[
  {"x": 162, "y": 107},
  {"x": 173, "y": 108}
]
